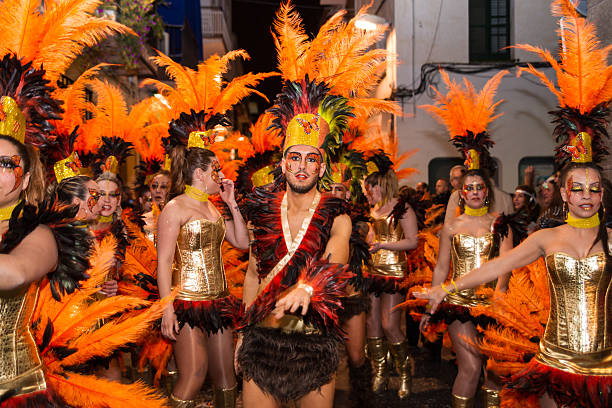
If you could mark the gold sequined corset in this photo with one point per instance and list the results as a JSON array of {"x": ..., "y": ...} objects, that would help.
[
  {"x": 385, "y": 262},
  {"x": 198, "y": 264},
  {"x": 468, "y": 253},
  {"x": 578, "y": 336},
  {"x": 20, "y": 365}
]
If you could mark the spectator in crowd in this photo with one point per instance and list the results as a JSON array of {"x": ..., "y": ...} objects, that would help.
[{"x": 456, "y": 174}]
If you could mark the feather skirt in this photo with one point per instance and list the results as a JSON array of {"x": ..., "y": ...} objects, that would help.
[
  {"x": 353, "y": 306},
  {"x": 209, "y": 315},
  {"x": 38, "y": 399},
  {"x": 288, "y": 366},
  {"x": 567, "y": 389}
]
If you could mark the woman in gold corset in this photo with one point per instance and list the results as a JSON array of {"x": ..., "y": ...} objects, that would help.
[
  {"x": 190, "y": 234},
  {"x": 393, "y": 230},
  {"x": 574, "y": 363},
  {"x": 466, "y": 242}
]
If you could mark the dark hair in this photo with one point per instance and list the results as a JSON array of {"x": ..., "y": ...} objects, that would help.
[
  {"x": 389, "y": 186},
  {"x": 35, "y": 192},
  {"x": 184, "y": 163},
  {"x": 602, "y": 233},
  {"x": 70, "y": 188},
  {"x": 484, "y": 175}
]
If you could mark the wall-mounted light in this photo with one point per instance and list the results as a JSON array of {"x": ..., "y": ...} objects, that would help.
[{"x": 370, "y": 22}]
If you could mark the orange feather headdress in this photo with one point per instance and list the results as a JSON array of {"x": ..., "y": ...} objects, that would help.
[
  {"x": 584, "y": 86},
  {"x": 467, "y": 113}
]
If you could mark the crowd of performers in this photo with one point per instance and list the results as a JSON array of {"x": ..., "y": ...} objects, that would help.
[{"x": 262, "y": 257}]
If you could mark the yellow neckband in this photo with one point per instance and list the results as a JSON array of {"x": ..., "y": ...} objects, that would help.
[
  {"x": 590, "y": 222},
  {"x": 476, "y": 212},
  {"x": 105, "y": 219},
  {"x": 196, "y": 193},
  {"x": 6, "y": 212}
]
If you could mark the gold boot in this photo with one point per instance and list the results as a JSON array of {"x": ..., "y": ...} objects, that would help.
[
  {"x": 403, "y": 365},
  {"x": 490, "y": 398},
  {"x": 179, "y": 403},
  {"x": 377, "y": 347},
  {"x": 462, "y": 402},
  {"x": 225, "y": 397}
]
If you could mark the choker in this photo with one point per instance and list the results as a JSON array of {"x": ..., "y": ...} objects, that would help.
[
  {"x": 590, "y": 222},
  {"x": 105, "y": 219},
  {"x": 6, "y": 212},
  {"x": 476, "y": 212},
  {"x": 196, "y": 193}
]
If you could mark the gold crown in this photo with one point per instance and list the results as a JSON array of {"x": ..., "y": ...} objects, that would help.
[
  {"x": 110, "y": 165},
  {"x": 201, "y": 139},
  {"x": 472, "y": 159},
  {"x": 306, "y": 129},
  {"x": 263, "y": 176},
  {"x": 69, "y": 167},
  {"x": 372, "y": 167},
  {"x": 12, "y": 120},
  {"x": 167, "y": 163},
  {"x": 580, "y": 148}
]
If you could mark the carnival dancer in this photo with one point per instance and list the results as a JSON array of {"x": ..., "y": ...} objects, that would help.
[
  {"x": 289, "y": 351},
  {"x": 572, "y": 366},
  {"x": 393, "y": 230},
  {"x": 469, "y": 239},
  {"x": 190, "y": 234}
]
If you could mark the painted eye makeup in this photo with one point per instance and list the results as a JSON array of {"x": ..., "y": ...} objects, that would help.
[
  {"x": 474, "y": 187},
  {"x": 111, "y": 195}
]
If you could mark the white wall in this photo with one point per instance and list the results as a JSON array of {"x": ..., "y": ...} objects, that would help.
[{"x": 523, "y": 131}]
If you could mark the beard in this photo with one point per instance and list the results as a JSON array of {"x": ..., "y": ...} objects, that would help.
[{"x": 302, "y": 189}]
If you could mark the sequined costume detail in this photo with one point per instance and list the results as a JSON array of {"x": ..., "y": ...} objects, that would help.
[
  {"x": 198, "y": 264},
  {"x": 468, "y": 253},
  {"x": 386, "y": 262},
  {"x": 20, "y": 364},
  {"x": 578, "y": 336}
]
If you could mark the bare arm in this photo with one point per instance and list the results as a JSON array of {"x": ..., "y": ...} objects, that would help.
[
  {"x": 524, "y": 254},
  {"x": 442, "y": 267},
  {"x": 168, "y": 227},
  {"x": 29, "y": 261},
  {"x": 504, "y": 247},
  {"x": 337, "y": 248},
  {"x": 237, "y": 233}
]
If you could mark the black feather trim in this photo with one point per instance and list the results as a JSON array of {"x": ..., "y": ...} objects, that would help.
[
  {"x": 180, "y": 128},
  {"x": 209, "y": 315},
  {"x": 244, "y": 184},
  {"x": 517, "y": 222},
  {"x": 111, "y": 146},
  {"x": 480, "y": 142},
  {"x": 72, "y": 238},
  {"x": 381, "y": 159}
]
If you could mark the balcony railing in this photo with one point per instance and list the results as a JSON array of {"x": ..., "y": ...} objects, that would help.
[{"x": 214, "y": 25}]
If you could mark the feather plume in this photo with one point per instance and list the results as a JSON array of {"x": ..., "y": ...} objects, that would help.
[
  {"x": 291, "y": 42},
  {"x": 463, "y": 109},
  {"x": 584, "y": 78},
  {"x": 261, "y": 138},
  {"x": 94, "y": 392},
  {"x": 53, "y": 33}
]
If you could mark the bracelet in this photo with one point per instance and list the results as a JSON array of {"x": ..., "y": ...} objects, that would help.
[
  {"x": 446, "y": 290},
  {"x": 455, "y": 285},
  {"x": 307, "y": 288}
]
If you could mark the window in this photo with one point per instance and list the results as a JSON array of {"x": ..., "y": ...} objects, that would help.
[
  {"x": 543, "y": 168},
  {"x": 489, "y": 30}
]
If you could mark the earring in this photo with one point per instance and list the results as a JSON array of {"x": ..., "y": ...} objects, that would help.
[
  {"x": 487, "y": 201},
  {"x": 565, "y": 209},
  {"x": 461, "y": 201}
]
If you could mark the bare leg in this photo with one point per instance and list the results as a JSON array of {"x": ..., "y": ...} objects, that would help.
[
  {"x": 373, "y": 321},
  {"x": 355, "y": 328},
  {"x": 547, "y": 402},
  {"x": 392, "y": 319},
  {"x": 113, "y": 372},
  {"x": 254, "y": 397},
  {"x": 191, "y": 361},
  {"x": 322, "y": 398},
  {"x": 469, "y": 361}
]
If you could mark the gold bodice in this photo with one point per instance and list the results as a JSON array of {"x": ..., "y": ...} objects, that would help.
[
  {"x": 468, "y": 253},
  {"x": 20, "y": 364},
  {"x": 198, "y": 264},
  {"x": 578, "y": 336},
  {"x": 385, "y": 262}
]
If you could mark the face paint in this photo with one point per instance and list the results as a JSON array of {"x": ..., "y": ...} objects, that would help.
[
  {"x": 12, "y": 163},
  {"x": 294, "y": 162},
  {"x": 216, "y": 168},
  {"x": 474, "y": 187},
  {"x": 94, "y": 196}
]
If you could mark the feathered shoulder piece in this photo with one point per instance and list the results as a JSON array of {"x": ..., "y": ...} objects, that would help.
[
  {"x": 180, "y": 129},
  {"x": 584, "y": 86},
  {"x": 26, "y": 103},
  {"x": 467, "y": 113},
  {"x": 111, "y": 155},
  {"x": 73, "y": 241},
  {"x": 306, "y": 113},
  {"x": 378, "y": 162},
  {"x": 517, "y": 222}
]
